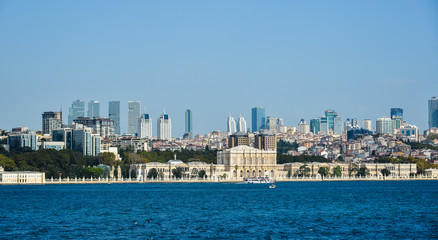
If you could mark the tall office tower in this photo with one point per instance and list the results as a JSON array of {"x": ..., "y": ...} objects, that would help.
[
  {"x": 51, "y": 120},
  {"x": 323, "y": 125},
  {"x": 433, "y": 113},
  {"x": 280, "y": 124},
  {"x": 354, "y": 122},
  {"x": 330, "y": 114},
  {"x": 303, "y": 127},
  {"x": 397, "y": 117},
  {"x": 114, "y": 114},
  {"x": 271, "y": 124},
  {"x": 337, "y": 125},
  {"x": 133, "y": 116},
  {"x": 93, "y": 109},
  {"x": 265, "y": 141},
  {"x": 164, "y": 128},
  {"x": 258, "y": 118},
  {"x": 76, "y": 110},
  {"x": 347, "y": 124},
  {"x": 189, "y": 123},
  {"x": 145, "y": 126},
  {"x": 384, "y": 125},
  {"x": 366, "y": 124},
  {"x": 241, "y": 124},
  {"x": 231, "y": 125},
  {"x": 314, "y": 125}
]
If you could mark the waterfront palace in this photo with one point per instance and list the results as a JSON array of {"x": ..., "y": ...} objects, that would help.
[
  {"x": 244, "y": 161},
  {"x": 21, "y": 177}
]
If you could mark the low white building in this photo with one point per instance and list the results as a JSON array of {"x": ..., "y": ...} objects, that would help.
[{"x": 21, "y": 177}]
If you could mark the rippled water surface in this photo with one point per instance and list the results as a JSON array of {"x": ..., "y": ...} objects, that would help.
[{"x": 312, "y": 210}]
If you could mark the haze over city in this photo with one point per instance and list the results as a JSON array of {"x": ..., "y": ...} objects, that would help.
[{"x": 293, "y": 58}]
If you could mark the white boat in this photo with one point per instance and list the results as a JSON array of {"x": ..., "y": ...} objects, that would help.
[{"x": 258, "y": 180}]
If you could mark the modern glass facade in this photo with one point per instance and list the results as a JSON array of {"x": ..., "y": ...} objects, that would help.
[
  {"x": 93, "y": 109},
  {"x": 189, "y": 121},
  {"x": 258, "y": 118},
  {"x": 133, "y": 116},
  {"x": 433, "y": 113},
  {"x": 337, "y": 125},
  {"x": 384, "y": 125},
  {"x": 330, "y": 114},
  {"x": 314, "y": 125},
  {"x": 76, "y": 110},
  {"x": 323, "y": 125},
  {"x": 114, "y": 114},
  {"x": 397, "y": 117}
]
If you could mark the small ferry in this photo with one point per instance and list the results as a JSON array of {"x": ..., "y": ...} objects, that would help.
[{"x": 257, "y": 180}]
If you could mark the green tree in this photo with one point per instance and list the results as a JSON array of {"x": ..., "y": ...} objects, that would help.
[
  {"x": 202, "y": 174},
  {"x": 385, "y": 172},
  {"x": 153, "y": 173},
  {"x": 177, "y": 172},
  {"x": 304, "y": 170},
  {"x": 363, "y": 171},
  {"x": 107, "y": 158},
  {"x": 337, "y": 171},
  {"x": 324, "y": 171},
  {"x": 7, "y": 163},
  {"x": 354, "y": 169}
]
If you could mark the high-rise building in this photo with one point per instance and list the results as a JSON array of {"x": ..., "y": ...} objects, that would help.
[
  {"x": 237, "y": 139},
  {"x": 303, "y": 127},
  {"x": 433, "y": 113},
  {"x": 145, "y": 126},
  {"x": 271, "y": 124},
  {"x": 337, "y": 125},
  {"x": 51, "y": 120},
  {"x": 22, "y": 137},
  {"x": 114, "y": 114},
  {"x": 258, "y": 118},
  {"x": 231, "y": 125},
  {"x": 164, "y": 128},
  {"x": 314, "y": 125},
  {"x": 189, "y": 122},
  {"x": 133, "y": 116},
  {"x": 265, "y": 141},
  {"x": 103, "y": 126},
  {"x": 366, "y": 124},
  {"x": 347, "y": 124},
  {"x": 76, "y": 110},
  {"x": 93, "y": 109},
  {"x": 85, "y": 141},
  {"x": 384, "y": 125},
  {"x": 354, "y": 123},
  {"x": 330, "y": 114},
  {"x": 323, "y": 125},
  {"x": 397, "y": 117},
  {"x": 241, "y": 124}
]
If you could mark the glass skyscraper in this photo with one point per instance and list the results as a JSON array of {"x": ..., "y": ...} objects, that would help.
[
  {"x": 433, "y": 113},
  {"x": 330, "y": 114},
  {"x": 397, "y": 117},
  {"x": 337, "y": 125},
  {"x": 114, "y": 114},
  {"x": 314, "y": 125},
  {"x": 93, "y": 109},
  {"x": 76, "y": 110},
  {"x": 164, "y": 127},
  {"x": 133, "y": 116},
  {"x": 189, "y": 121},
  {"x": 258, "y": 118}
]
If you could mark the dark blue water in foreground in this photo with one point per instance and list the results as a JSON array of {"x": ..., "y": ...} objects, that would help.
[{"x": 312, "y": 210}]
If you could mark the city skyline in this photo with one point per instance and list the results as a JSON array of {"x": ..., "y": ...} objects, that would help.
[{"x": 293, "y": 58}]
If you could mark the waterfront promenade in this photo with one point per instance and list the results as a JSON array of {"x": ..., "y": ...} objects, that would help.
[{"x": 228, "y": 180}]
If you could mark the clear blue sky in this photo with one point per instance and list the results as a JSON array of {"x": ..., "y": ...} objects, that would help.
[{"x": 295, "y": 58}]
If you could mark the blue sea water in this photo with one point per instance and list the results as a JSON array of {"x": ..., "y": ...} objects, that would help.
[{"x": 294, "y": 210}]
